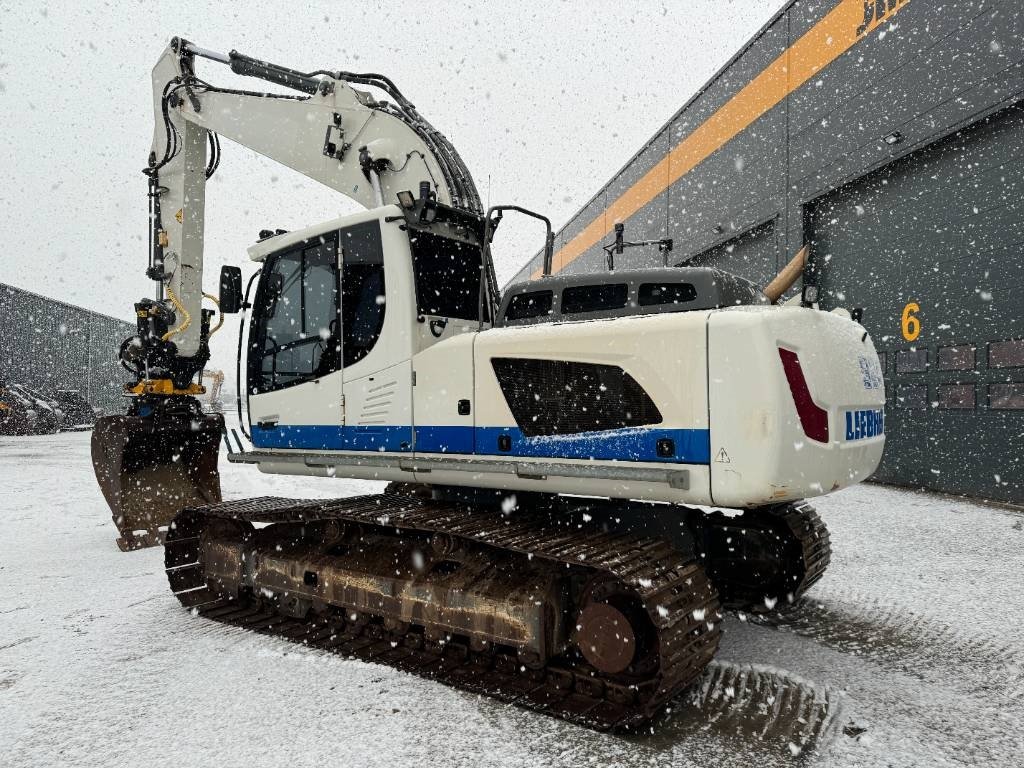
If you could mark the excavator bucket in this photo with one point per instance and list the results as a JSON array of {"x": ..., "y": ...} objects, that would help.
[{"x": 150, "y": 467}]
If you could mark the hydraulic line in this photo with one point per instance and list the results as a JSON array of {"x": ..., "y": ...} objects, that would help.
[
  {"x": 457, "y": 176},
  {"x": 180, "y": 308},
  {"x": 220, "y": 321},
  {"x": 214, "y": 162}
]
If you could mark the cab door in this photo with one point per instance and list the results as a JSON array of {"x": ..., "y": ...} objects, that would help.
[
  {"x": 447, "y": 268},
  {"x": 375, "y": 337},
  {"x": 295, "y": 368}
]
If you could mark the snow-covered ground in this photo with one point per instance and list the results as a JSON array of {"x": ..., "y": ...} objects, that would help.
[{"x": 911, "y": 652}]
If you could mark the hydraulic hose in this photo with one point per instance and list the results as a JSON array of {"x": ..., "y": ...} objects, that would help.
[
  {"x": 220, "y": 320},
  {"x": 180, "y": 308}
]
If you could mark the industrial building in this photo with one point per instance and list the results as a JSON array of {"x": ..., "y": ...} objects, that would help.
[
  {"x": 49, "y": 345},
  {"x": 888, "y": 135}
]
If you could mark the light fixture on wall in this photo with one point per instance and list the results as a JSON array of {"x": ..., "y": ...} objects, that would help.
[
  {"x": 893, "y": 138},
  {"x": 718, "y": 229}
]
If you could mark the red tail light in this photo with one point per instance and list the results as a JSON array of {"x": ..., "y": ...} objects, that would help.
[{"x": 813, "y": 418}]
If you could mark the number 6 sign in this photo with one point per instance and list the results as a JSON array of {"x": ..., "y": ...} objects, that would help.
[{"x": 909, "y": 322}]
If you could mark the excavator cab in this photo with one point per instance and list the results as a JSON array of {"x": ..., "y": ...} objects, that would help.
[{"x": 341, "y": 310}]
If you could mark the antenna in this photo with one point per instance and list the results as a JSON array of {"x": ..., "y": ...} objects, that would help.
[{"x": 619, "y": 245}]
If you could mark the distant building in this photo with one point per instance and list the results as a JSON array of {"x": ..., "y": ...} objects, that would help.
[
  {"x": 889, "y": 135},
  {"x": 50, "y": 345}
]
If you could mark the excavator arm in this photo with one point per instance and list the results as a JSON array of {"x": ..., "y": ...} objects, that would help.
[
  {"x": 366, "y": 149},
  {"x": 162, "y": 455}
]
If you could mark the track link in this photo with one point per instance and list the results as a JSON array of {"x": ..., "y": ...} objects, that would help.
[
  {"x": 764, "y": 559},
  {"x": 678, "y": 598}
]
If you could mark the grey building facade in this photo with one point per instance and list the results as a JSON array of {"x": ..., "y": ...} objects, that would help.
[
  {"x": 49, "y": 345},
  {"x": 888, "y": 135}
]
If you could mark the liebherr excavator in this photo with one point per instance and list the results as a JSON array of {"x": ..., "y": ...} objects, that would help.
[{"x": 552, "y": 452}]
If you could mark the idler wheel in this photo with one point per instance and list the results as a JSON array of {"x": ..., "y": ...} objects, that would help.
[{"x": 605, "y": 638}]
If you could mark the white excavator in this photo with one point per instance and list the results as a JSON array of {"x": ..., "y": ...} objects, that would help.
[{"x": 584, "y": 470}]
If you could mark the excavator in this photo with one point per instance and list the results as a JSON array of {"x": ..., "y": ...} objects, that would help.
[{"x": 583, "y": 471}]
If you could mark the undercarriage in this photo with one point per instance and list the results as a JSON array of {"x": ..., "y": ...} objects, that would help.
[
  {"x": 763, "y": 559},
  {"x": 554, "y": 604}
]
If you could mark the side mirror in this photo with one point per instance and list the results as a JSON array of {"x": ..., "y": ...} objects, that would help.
[{"x": 230, "y": 290}]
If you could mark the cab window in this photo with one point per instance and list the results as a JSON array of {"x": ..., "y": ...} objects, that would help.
[
  {"x": 296, "y": 309},
  {"x": 653, "y": 294},
  {"x": 447, "y": 276},
  {"x": 594, "y": 298},
  {"x": 527, "y": 305},
  {"x": 362, "y": 290},
  {"x": 303, "y": 331}
]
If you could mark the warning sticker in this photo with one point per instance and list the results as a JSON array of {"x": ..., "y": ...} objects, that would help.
[{"x": 722, "y": 457}]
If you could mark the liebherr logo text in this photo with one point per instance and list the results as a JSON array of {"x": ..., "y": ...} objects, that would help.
[
  {"x": 861, "y": 424},
  {"x": 876, "y": 11}
]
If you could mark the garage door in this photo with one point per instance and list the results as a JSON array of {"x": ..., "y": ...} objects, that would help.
[
  {"x": 751, "y": 254},
  {"x": 932, "y": 247}
]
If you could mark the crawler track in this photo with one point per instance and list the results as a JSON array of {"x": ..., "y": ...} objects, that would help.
[
  {"x": 672, "y": 589},
  {"x": 764, "y": 559}
]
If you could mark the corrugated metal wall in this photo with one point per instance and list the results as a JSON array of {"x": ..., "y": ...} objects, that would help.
[
  {"x": 49, "y": 345},
  {"x": 811, "y": 121}
]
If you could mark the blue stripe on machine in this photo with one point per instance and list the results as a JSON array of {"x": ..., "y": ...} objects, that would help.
[
  {"x": 444, "y": 439},
  {"x": 689, "y": 446},
  {"x": 329, "y": 438}
]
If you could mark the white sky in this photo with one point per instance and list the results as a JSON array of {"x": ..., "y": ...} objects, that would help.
[{"x": 545, "y": 100}]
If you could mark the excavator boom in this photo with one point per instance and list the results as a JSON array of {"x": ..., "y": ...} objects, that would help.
[{"x": 364, "y": 149}]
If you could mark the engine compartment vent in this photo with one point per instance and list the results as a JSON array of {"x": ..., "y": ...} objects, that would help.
[{"x": 558, "y": 397}]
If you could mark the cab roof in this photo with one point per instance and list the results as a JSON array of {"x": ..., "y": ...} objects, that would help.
[{"x": 623, "y": 293}]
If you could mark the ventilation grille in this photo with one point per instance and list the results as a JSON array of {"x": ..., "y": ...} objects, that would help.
[
  {"x": 376, "y": 408},
  {"x": 554, "y": 397}
]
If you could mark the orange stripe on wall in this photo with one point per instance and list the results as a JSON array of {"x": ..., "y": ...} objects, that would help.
[{"x": 832, "y": 36}]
